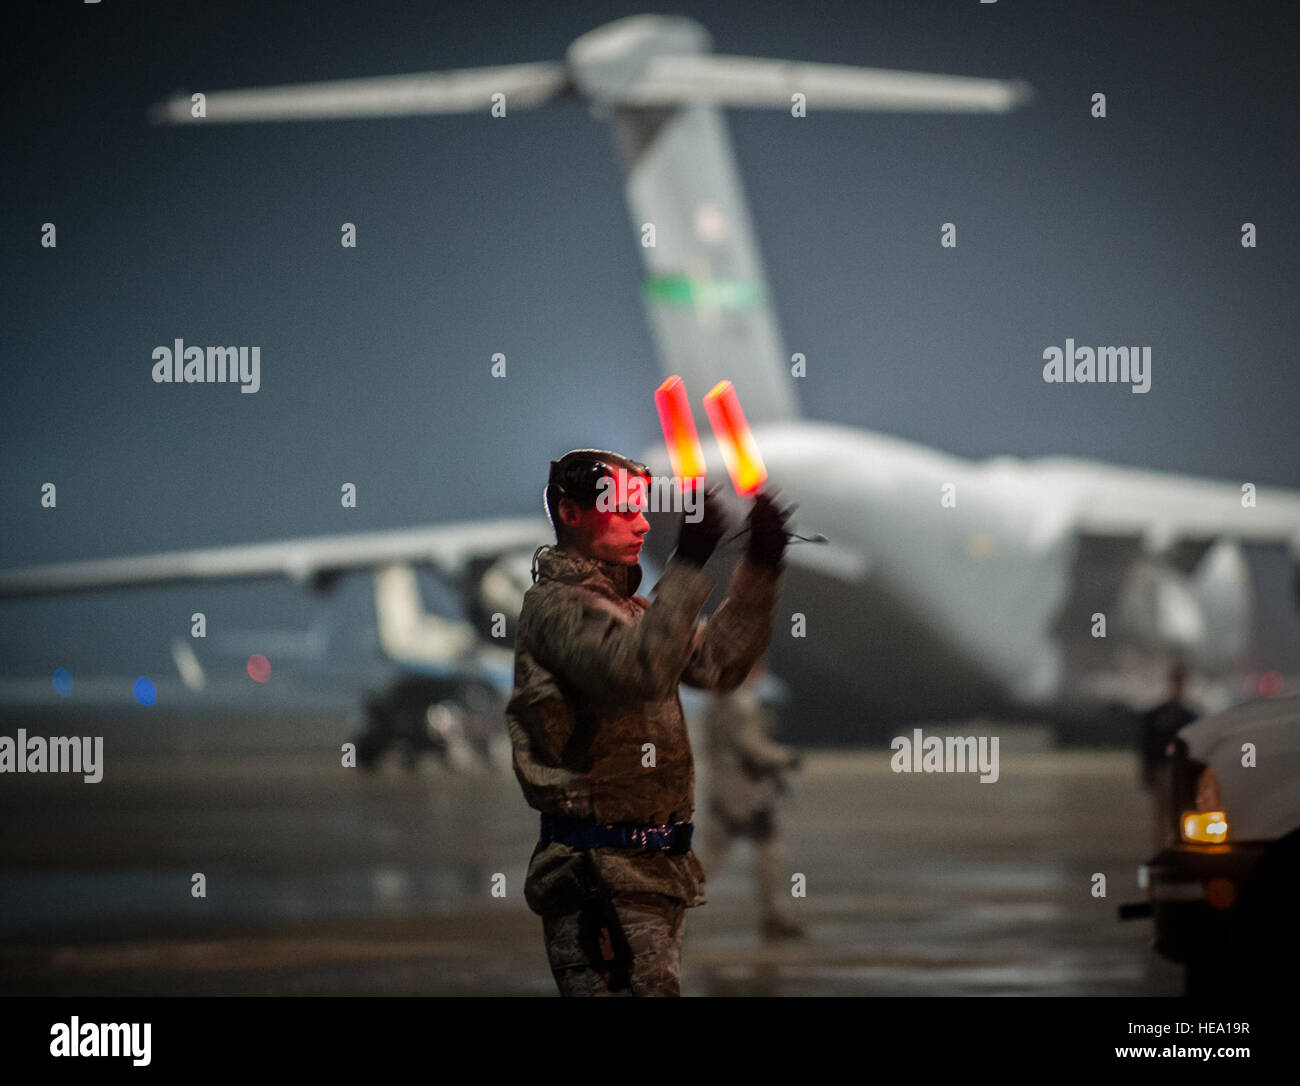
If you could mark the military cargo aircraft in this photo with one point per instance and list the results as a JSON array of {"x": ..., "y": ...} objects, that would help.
[{"x": 948, "y": 587}]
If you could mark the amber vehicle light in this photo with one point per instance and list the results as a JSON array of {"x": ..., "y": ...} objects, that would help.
[{"x": 1204, "y": 827}]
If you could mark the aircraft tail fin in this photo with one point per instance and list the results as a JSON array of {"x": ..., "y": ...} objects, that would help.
[
  {"x": 657, "y": 81},
  {"x": 705, "y": 292}
]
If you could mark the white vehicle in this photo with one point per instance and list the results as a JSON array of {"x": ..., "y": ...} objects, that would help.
[{"x": 1223, "y": 890}]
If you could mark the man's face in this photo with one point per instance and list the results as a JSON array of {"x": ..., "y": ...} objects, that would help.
[{"x": 610, "y": 535}]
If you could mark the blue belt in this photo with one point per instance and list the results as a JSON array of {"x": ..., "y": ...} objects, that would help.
[{"x": 674, "y": 838}]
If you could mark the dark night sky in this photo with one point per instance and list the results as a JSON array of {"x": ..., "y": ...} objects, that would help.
[{"x": 478, "y": 235}]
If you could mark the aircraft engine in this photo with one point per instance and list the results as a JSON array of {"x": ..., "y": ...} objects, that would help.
[
  {"x": 1223, "y": 588},
  {"x": 1202, "y": 617}
]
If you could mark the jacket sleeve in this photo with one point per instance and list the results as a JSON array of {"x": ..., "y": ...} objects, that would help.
[
  {"x": 726, "y": 644},
  {"x": 599, "y": 653}
]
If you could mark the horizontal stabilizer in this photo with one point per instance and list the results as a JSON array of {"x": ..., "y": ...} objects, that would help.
[
  {"x": 760, "y": 82},
  {"x": 463, "y": 90}
]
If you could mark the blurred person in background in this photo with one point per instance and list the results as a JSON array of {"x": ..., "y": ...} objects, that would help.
[
  {"x": 1156, "y": 731},
  {"x": 746, "y": 775}
]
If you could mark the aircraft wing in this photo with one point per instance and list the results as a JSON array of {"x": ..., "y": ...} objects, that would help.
[
  {"x": 315, "y": 562},
  {"x": 1167, "y": 511}
]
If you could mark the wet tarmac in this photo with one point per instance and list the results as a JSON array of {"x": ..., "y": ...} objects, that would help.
[{"x": 323, "y": 880}]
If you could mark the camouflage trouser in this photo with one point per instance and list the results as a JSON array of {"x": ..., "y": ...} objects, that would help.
[{"x": 652, "y": 925}]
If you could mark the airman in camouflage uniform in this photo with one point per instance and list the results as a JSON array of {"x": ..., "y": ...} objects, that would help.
[
  {"x": 746, "y": 775},
  {"x": 599, "y": 740}
]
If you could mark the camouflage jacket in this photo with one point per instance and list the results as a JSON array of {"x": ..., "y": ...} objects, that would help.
[{"x": 596, "y": 675}]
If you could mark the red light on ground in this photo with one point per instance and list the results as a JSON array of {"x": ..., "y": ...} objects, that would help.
[
  {"x": 1270, "y": 684},
  {"x": 744, "y": 464},
  {"x": 259, "y": 668},
  {"x": 678, "y": 425}
]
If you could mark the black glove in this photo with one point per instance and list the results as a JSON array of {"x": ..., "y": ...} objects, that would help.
[
  {"x": 698, "y": 538},
  {"x": 767, "y": 531}
]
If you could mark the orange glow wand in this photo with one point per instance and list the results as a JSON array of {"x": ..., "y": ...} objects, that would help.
[
  {"x": 739, "y": 450},
  {"x": 679, "y": 429}
]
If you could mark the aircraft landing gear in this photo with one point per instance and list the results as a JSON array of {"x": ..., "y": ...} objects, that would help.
[{"x": 419, "y": 715}]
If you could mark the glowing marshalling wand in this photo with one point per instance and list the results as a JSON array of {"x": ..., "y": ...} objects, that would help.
[
  {"x": 735, "y": 440},
  {"x": 678, "y": 425}
]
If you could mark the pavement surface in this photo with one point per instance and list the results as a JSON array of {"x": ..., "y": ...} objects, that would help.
[{"x": 324, "y": 880}]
